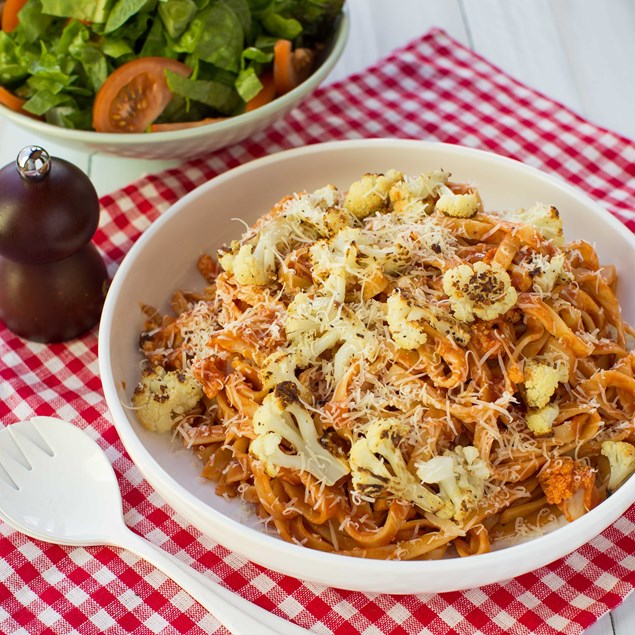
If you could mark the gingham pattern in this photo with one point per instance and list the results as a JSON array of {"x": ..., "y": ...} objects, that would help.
[{"x": 433, "y": 89}]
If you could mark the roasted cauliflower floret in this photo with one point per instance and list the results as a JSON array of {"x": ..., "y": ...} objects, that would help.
[
  {"x": 300, "y": 218},
  {"x": 316, "y": 324},
  {"x": 370, "y": 194},
  {"x": 390, "y": 256},
  {"x": 161, "y": 396},
  {"x": 334, "y": 261},
  {"x": 320, "y": 210},
  {"x": 541, "y": 381},
  {"x": 540, "y": 420},
  {"x": 416, "y": 194},
  {"x": 621, "y": 456},
  {"x": 481, "y": 290},
  {"x": 353, "y": 256},
  {"x": 404, "y": 321},
  {"x": 545, "y": 218},
  {"x": 446, "y": 324},
  {"x": 437, "y": 316},
  {"x": 256, "y": 260},
  {"x": 379, "y": 469},
  {"x": 462, "y": 205},
  {"x": 283, "y": 419},
  {"x": 245, "y": 266},
  {"x": 547, "y": 272},
  {"x": 461, "y": 475},
  {"x": 570, "y": 485},
  {"x": 279, "y": 367}
]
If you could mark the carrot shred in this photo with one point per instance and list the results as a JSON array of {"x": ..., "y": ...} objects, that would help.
[
  {"x": 290, "y": 67},
  {"x": 10, "y": 14},
  {"x": 15, "y": 103},
  {"x": 282, "y": 67}
]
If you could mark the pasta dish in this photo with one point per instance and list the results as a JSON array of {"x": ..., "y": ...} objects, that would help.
[{"x": 394, "y": 372}]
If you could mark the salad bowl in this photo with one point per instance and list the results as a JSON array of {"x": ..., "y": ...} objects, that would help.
[
  {"x": 153, "y": 269},
  {"x": 186, "y": 142}
]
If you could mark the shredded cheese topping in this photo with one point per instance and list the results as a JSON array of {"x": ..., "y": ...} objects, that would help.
[{"x": 392, "y": 371}]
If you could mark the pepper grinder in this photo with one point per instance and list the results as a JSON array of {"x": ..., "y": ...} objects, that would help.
[{"x": 53, "y": 281}]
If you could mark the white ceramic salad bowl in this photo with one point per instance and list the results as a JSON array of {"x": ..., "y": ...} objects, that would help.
[
  {"x": 190, "y": 142},
  {"x": 164, "y": 259}
]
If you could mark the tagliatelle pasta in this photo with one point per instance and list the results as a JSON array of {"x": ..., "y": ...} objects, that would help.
[{"x": 394, "y": 372}]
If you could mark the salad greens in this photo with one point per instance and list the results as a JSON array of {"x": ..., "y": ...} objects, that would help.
[{"x": 62, "y": 51}]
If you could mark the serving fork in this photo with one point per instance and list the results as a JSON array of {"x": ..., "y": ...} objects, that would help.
[{"x": 57, "y": 485}]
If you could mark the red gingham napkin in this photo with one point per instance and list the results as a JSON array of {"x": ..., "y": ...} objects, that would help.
[{"x": 432, "y": 89}]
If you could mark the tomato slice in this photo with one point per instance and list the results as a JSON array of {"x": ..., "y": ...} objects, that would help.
[
  {"x": 10, "y": 14},
  {"x": 134, "y": 95},
  {"x": 10, "y": 100},
  {"x": 267, "y": 93},
  {"x": 290, "y": 68}
]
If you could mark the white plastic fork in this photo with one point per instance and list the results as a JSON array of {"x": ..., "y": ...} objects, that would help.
[{"x": 57, "y": 485}]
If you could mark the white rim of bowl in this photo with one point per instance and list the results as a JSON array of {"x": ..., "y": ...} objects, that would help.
[
  {"x": 528, "y": 551},
  {"x": 134, "y": 138}
]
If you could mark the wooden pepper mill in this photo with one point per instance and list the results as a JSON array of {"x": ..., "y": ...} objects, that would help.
[{"x": 53, "y": 281}]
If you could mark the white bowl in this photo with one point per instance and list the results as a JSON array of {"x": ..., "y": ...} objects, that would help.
[
  {"x": 163, "y": 260},
  {"x": 191, "y": 142}
]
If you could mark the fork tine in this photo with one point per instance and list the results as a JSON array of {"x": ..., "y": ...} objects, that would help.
[
  {"x": 11, "y": 467},
  {"x": 5, "y": 477},
  {"x": 21, "y": 447},
  {"x": 37, "y": 458},
  {"x": 52, "y": 435},
  {"x": 9, "y": 446},
  {"x": 30, "y": 431}
]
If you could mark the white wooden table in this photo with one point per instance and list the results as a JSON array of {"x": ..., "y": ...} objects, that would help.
[{"x": 579, "y": 52}]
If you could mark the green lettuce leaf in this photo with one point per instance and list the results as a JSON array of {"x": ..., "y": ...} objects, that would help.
[
  {"x": 14, "y": 65},
  {"x": 43, "y": 101},
  {"x": 247, "y": 83},
  {"x": 33, "y": 23},
  {"x": 63, "y": 50},
  {"x": 70, "y": 115},
  {"x": 79, "y": 9}
]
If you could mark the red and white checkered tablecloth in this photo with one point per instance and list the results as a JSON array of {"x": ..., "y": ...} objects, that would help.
[{"x": 433, "y": 89}]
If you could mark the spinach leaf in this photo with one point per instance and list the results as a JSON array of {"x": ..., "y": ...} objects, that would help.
[
  {"x": 278, "y": 25},
  {"x": 63, "y": 50},
  {"x": 216, "y": 36},
  {"x": 176, "y": 15},
  {"x": 215, "y": 94},
  {"x": 92, "y": 60},
  {"x": 121, "y": 12},
  {"x": 242, "y": 12},
  {"x": 116, "y": 48},
  {"x": 155, "y": 43}
]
